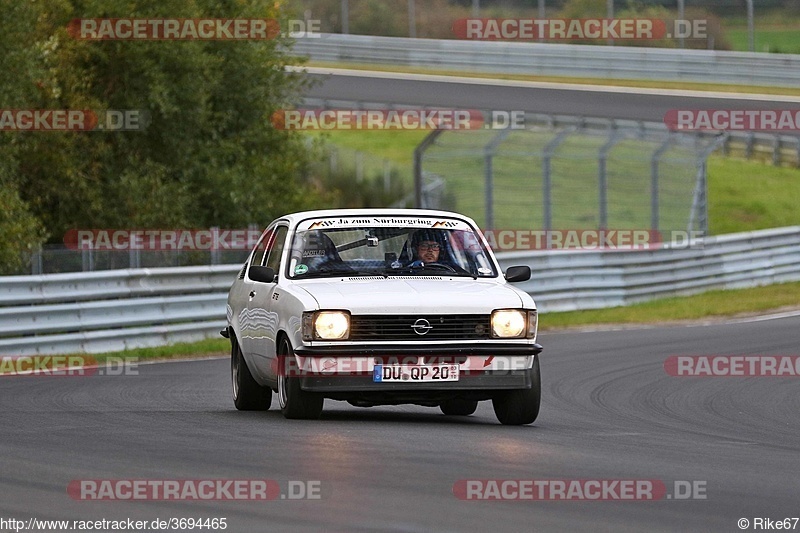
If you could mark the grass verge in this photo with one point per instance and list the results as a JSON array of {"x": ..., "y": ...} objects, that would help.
[{"x": 711, "y": 304}]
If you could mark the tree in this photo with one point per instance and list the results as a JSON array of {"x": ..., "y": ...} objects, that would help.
[{"x": 209, "y": 155}]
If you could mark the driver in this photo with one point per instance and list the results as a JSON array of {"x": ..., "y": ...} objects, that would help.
[{"x": 426, "y": 246}]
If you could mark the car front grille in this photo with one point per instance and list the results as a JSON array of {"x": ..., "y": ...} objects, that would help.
[{"x": 401, "y": 327}]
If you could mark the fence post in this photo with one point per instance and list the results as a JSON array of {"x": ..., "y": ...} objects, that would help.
[
  {"x": 36, "y": 261},
  {"x": 359, "y": 166},
  {"x": 419, "y": 151},
  {"x": 488, "y": 172},
  {"x": 387, "y": 176},
  {"x": 134, "y": 258},
  {"x": 215, "y": 251},
  {"x": 654, "y": 200},
  {"x": 412, "y": 20},
  {"x": 345, "y": 17},
  {"x": 602, "y": 178},
  {"x": 87, "y": 259},
  {"x": 547, "y": 154}
]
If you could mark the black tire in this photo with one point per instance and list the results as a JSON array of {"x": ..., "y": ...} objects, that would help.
[
  {"x": 247, "y": 394},
  {"x": 518, "y": 407},
  {"x": 458, "y": 407},
  {"x": 295, "y": 402}
]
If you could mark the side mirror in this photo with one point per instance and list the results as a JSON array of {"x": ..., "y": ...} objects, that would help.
[
  {"x": 518, "y": 273},
  {"x": 262, "y": 274}
]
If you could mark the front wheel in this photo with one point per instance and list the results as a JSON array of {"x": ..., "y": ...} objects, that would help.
[
  {"x": 247, "y": 394},
  {"x": 521, "y": 406},
  {"x": 295, "y": 402}
]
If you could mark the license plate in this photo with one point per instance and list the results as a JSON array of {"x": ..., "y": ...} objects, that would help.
[{"x": 415, "y": 373}]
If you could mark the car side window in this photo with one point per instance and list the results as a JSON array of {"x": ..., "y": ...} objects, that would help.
[
  {"x": 276, "y": 249},
  {"x": 261, "y": 250}
]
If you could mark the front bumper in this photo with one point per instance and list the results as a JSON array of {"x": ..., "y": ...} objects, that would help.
[
  {"x": 491, "y": 380},
  {"x": 349, "y": 369}
]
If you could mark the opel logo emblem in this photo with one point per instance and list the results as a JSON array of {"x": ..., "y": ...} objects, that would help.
[{"x": 421, "y": 326}]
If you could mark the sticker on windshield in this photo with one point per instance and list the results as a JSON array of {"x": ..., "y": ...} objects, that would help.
[
  {"x": 485, "y": 271},
  {"x": 384, "y": 222},
  {"x": 300, "y": 269}
]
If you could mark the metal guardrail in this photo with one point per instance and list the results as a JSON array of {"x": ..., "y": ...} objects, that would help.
[
  {"x": 545, "y": 59},
  {"x": 114, "y": 310},
  {"x": 570, "y": 280}
]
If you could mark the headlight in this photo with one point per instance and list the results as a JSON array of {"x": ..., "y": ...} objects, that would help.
[
  {"x": 514, "y": 324},
  {"x": 326, "y": 325}
]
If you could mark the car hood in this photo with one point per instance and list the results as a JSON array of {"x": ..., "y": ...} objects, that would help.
[{"x": 392, "y": 295}]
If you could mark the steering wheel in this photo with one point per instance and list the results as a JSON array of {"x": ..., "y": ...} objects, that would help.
[{"x": 420, "y": 264}]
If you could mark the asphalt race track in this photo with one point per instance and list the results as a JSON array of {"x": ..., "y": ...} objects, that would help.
[
  {"x": 587, "y": 101},
  {"x": 609, "y": 412}
]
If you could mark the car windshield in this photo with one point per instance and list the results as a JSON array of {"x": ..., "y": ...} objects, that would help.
[{"x": 378, "y": 246}]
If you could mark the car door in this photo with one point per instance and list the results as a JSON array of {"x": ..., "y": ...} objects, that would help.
[{"x": 260, "y": 307}]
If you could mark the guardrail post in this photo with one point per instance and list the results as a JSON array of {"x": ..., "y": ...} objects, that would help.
[{"x": 419, "y": 151}]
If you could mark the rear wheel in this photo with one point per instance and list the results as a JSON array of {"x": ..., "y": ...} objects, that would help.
[
  {"x": 295, "y": 402},
  {"x": 248, "y": 395},
  {"x": 517, "y": 407},
  {"x": 459, "y": 407}
]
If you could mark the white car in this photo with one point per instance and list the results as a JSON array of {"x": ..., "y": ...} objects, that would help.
[{"x": 381, "y": 307}]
